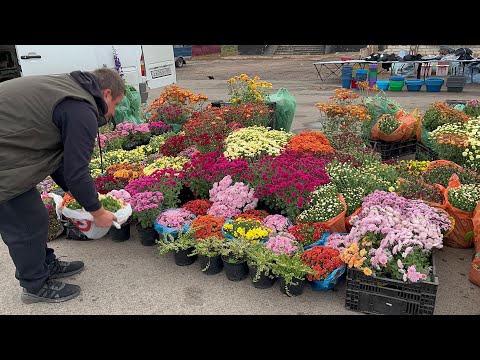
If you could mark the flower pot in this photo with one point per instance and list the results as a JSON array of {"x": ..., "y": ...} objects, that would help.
[
  {"x": 182, "y": 259},
  {"x": 148, "y": 236},
  {"x": 292, "y": 290},
  {"x": 236, "y": 271},
  {"x": 263, "y": 282},
  {"x": 211, "y": 265},
  {"x": 122, "y": 234}
]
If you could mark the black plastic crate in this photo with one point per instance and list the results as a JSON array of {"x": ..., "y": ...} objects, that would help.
[
  {"x": 452, "y": 103},
  {"x": 271, "y": 105},
  {"x": 391, "y": 150},
  {"x": 382, "y": 296},
  {"x": 424, "y": 153}
]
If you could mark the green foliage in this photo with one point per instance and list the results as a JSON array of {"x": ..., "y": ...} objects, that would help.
[
  {"x": 262, "y": 258},
  {"x": 235, "y": 251},
  {"x": 209, "y": 247},
  {"x": 290, "y": 268},
  {"x": 184, "y": 241}
]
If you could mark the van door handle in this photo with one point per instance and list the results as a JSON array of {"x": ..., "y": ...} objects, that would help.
[{"x": 30, "y": 57}]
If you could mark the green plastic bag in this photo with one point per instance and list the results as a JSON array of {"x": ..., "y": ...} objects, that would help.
[
  {"x": 128, "y": 109},
  {"x": 285, "y": 105}
]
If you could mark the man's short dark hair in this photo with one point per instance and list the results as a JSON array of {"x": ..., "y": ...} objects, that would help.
[{"x": 110, "y": 79}]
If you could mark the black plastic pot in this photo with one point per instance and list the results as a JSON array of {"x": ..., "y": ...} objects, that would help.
[
  {"x": 236, "y": 271},
  {"x": 182, "y": 259},
  {"x": 263, "y": 282},
  {"x": 148, "y": 236},
  {"x": 292, "y": 290},
  {"x": 211, "y": 265},
  {"x": 122, "y": 234}
]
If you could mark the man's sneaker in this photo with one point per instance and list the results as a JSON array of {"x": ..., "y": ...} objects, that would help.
[
  {"x": 60, "y": 269},
  {"x": 52, "y": 291}
]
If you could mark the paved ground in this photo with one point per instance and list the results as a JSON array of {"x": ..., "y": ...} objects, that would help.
[{"x": 128, "y": 278}]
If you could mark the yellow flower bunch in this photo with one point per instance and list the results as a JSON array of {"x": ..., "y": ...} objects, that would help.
[
  {"x": 255, "y": 140},
  {"x": 173, "y": 162},
  {"x": 413, "y": 167},
  {"x": 247, "y": 229},
  {"x": 244, "y": 89}
]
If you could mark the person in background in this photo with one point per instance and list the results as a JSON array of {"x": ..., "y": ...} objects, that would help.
[{"x": 48, "y": 126}]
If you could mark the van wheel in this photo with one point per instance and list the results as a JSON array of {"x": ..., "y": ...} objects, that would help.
[{"x": 179, "y": 62}]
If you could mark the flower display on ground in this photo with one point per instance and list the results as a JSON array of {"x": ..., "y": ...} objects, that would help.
[
  {"x": 207, "y": 225},
  {"x": 307, "y": 233},
  {"x": 198, "y": 207},
  {"x": 175, "y": 218},
  {"x": 243, "y": 89},
  {"x": 310, "y": 141},
  {"x": 247, "y": 229},
  {"x": 282, "y": 244},
  {"x": 277, "y": 223},
  {"x": 322, "y": 260}
]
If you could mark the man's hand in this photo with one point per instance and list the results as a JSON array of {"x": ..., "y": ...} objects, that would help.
[{"x": 103, "y": 218}]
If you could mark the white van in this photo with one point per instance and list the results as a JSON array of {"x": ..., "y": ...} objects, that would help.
[{"x": 144, "y": 66}]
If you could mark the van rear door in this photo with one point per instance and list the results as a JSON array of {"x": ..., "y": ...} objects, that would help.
[
  {"x": 159, "y": 65},
  {"x": 55, "y": 59}
]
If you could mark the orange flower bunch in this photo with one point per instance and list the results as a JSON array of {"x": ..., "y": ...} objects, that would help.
[
  {"x": 177, "y": 97},
  {"x": 364, "y": 86},
  {"x": 458, "y": 140},
  {"x": 312, "y": 142},
  {"x": 125, "y": 171},
  {"x": 259, "y": 215},
  {"x": 70, "y": 202},
  {"x": 207, "y": 225},
  {"x": 453, "y": 115},
  {"x": 355, "y": 257},
  {"x": 341, "y": 111}
]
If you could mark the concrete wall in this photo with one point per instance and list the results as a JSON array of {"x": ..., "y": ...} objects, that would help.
[{"x": 429, "y": 49}]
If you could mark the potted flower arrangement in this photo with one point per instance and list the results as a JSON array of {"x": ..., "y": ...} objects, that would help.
[
  {"x": 134, "y": 135},
  {"x": 285, "y": 182},
  {"x": 472, "y": 108},
  {"x": 198, "y": 207},
  {"x": 282, "y": 243},
  {"x": 327, "y": 266},
  {"x": 291, "y": 271},
  {"x": 248, "y": 229},
  {"x": 158, "y": 128},
  {"x": 440, "y": 172},
  {"x": 234, "y": 256},
  {"x": 146, "y": 206},
  {"x": 388, "y": 123},
  {"x": 260, "y": 261},
  {"x": 208, "y": 251},
  {"x": 243, "y": 89},
  {"x": 171, "y": 221},
  {"x": 107, "y": 183},
  {"x": 312, "y": 142},
  {"x": 205, "y": 169},
  {"x": 182, "y": 246},
  {"x": 308, "y": 233},
  {"x": 256, "y": 214},
  {"x": 122, "y": 234},
  {"x": 175, "y": 145},
  {"x": 207, "y": 226},
  {"x": 326, "y": 206},
  {"x": 231, "y": 199},
  {"x": 125, "y": 172},
  {"x": 175, "y": 106},
  {"x": 254, "y": 141},
  {"x": 277, "y": 223},
  {"x": 55, "y": 227},
  {"x": 248, "y": 114}
]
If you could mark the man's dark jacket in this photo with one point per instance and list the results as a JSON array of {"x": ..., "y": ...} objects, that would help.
[{"x": 48, "y": 126}]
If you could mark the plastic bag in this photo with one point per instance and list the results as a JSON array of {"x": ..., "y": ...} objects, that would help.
[
  {"x": 330, "y": 281},
  {"x": 379, "y": 105},
  {"x": 165, "y": 231},
  {"x": 320, "y": 242},
  {"x": 128, "y": 109},
  {"x": 284, "y": 109},
  {"x": 462, "y": 234},
  {"x": 474, "y": 273},
  {"x": 402, "y": 133},
  {"x": 84, "y": 221}
]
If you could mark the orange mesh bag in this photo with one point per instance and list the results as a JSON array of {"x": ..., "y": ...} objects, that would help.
[
  {"x": 348, "y": 226},
  {"x": 474, "y": 273},
  {"x": 336, "y": 224},
  {"x": 462, "y": 234},
  {"x": 402, "y": 133}
]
